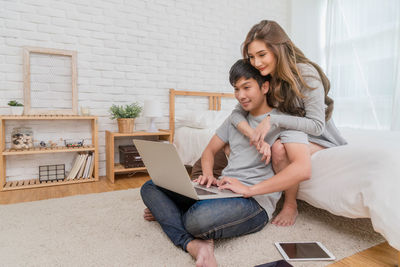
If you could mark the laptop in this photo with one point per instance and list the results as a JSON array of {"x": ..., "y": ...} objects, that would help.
[{"x": 167, "y": 171}]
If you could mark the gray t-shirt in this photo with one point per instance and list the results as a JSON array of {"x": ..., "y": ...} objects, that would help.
[
  {"x": 244, "y": 162},
  {"x": 320, "y": 132}
]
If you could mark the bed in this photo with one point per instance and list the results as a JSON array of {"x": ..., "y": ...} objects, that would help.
[{"x": 359, "y": 180}]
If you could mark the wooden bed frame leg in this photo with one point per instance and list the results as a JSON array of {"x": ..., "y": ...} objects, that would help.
[{"x": 398, "y": 264}]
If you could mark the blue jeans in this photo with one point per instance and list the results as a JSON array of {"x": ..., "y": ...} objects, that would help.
[{"x": 184, "y": 219}]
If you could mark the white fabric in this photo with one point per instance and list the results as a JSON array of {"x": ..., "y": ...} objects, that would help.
[
  {"x": 202, "y": 120},
  {"x": 194, "y": 131},
  {"x": 359, "y": 180},
  {"x": 190, "y": 143},
  {"x": 363, "y": 61}
]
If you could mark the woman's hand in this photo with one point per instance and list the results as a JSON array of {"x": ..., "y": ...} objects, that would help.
[
  {"x": 265, "y": 150},
  {"x": 207, "y": 180},
  {"x": 234, "y": 185},
  {"x": 260, "y": 131}
]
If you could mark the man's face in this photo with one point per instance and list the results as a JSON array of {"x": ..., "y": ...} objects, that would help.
[{"x": 249, "y": 94}]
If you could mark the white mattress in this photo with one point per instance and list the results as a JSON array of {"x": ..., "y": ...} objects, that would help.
[{"x": 359, "y": 180}]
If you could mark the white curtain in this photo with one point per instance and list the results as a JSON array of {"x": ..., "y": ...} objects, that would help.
[{"x": 363, "y": 63}]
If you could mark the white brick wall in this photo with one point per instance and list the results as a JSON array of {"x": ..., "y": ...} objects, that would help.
[{"x": 129, "y": 50}]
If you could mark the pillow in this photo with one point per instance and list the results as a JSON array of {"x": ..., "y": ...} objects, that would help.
[{"x": 202, "y": 120}]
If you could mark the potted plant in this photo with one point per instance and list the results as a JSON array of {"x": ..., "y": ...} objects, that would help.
[
  {"x": 16, "y": 107},
  {"x": 125, "y": 116}
]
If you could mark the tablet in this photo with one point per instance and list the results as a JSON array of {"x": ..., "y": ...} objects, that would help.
[
  {"x": 280, "y": 263},
  {"x": 304, "y": 251}
]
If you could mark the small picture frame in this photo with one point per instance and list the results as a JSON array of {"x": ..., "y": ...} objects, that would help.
[
  {"x": 50, "y": 81},
  {"x": 51, "y": 172}
]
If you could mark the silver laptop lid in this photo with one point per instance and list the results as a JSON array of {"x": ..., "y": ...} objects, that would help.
[{"x": 165, "y": 167}]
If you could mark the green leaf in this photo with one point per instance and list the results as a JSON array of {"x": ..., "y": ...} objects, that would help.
[
  {"x": 15, "y": 103},
  {"x": 128, "y": 111}
]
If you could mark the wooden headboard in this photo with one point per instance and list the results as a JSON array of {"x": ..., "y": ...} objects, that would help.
[{"x": 214, "y": 103}]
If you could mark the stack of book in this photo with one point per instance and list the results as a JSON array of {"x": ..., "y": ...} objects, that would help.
[{"x": 82, "y": 166}]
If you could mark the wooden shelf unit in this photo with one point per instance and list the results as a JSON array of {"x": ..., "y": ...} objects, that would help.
[
  {"x": 115, "y": 167},
  {"x": 47, "y": 150},
  {"x": 33, "y": 183}
]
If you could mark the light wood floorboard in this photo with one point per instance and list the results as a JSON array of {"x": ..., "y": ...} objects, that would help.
[
  {"x": 381, "y": 255},
  {"x": 103, "y": 185}
]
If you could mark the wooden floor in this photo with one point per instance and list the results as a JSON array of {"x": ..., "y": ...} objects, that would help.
[
  {"x": 103, "y": 185},
  {"x": 381, "y": 255}
]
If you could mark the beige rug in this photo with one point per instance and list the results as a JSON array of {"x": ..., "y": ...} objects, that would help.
[{"x": 107, "y": 229}]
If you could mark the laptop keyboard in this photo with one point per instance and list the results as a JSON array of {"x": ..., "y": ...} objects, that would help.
[{"x": 203, "y": 192}]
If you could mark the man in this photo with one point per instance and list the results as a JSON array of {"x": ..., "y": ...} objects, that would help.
[{"x": 193, "y": 225}]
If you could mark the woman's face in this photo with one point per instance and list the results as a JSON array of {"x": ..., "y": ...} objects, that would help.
[{"x": 261, "y": 57}]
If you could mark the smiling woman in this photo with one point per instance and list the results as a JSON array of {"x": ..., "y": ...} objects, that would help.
[
  {"x": 271, "y": 51},
  {"x": 261, "y": 57},
  {"x": 298, "y": 88}
]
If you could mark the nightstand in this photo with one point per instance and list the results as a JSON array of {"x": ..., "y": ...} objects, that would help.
[{"x": 113, "y": 167}]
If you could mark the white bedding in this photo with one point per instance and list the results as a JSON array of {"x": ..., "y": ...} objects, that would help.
[
  {"x": 359, "y": 180},
  {"x": 190, "y": 143},
  {"x": 194, "y": 131}
]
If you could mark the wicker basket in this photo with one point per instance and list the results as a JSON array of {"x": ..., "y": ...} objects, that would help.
[{"x": 125, "y": 125}]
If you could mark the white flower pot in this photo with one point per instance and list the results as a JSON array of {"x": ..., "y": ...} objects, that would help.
[{"x": 17, "y": 110}]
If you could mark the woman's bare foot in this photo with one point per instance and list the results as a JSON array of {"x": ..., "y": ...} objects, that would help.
[
  {"x": 148, "y": 216},
  {"x": 287, "y": 216},
  {"x": 203, "y": 252}
]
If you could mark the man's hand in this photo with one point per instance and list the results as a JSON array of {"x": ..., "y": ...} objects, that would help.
[
  {"x": 234, "y": 185},
  {"x": 260, "y": 131},
  {"x": 207, "y": 180},
  {"x": 265, "y": 150}
]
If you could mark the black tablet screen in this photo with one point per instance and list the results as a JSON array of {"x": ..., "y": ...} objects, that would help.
[{"x": 303, "y": 250}]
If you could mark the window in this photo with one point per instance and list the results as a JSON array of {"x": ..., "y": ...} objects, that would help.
[{"x": 362, "y": 44}]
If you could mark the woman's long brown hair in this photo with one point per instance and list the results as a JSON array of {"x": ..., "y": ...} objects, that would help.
[{"x": 287, "y": 80}]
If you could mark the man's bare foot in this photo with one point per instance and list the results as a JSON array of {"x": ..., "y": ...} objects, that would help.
[
  {"x": 148, "y": 216},
  {"x": 287, "y": 216},
  {"x": 203, "y": 252}
]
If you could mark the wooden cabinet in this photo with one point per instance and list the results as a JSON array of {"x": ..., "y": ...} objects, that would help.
[
  {"x": 34, "y": 182},
  {"x": 115, "y": 167}
]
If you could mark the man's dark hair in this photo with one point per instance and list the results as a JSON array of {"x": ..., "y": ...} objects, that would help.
[{"x": 243, "y": 69}]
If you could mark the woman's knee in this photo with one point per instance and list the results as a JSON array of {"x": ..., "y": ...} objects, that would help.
[
  {"x": 278, "y": 154},
  {"x": 279, "y": 157}
]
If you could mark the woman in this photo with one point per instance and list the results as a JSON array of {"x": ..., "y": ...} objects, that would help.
[{"x": 299, "y": 88}]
